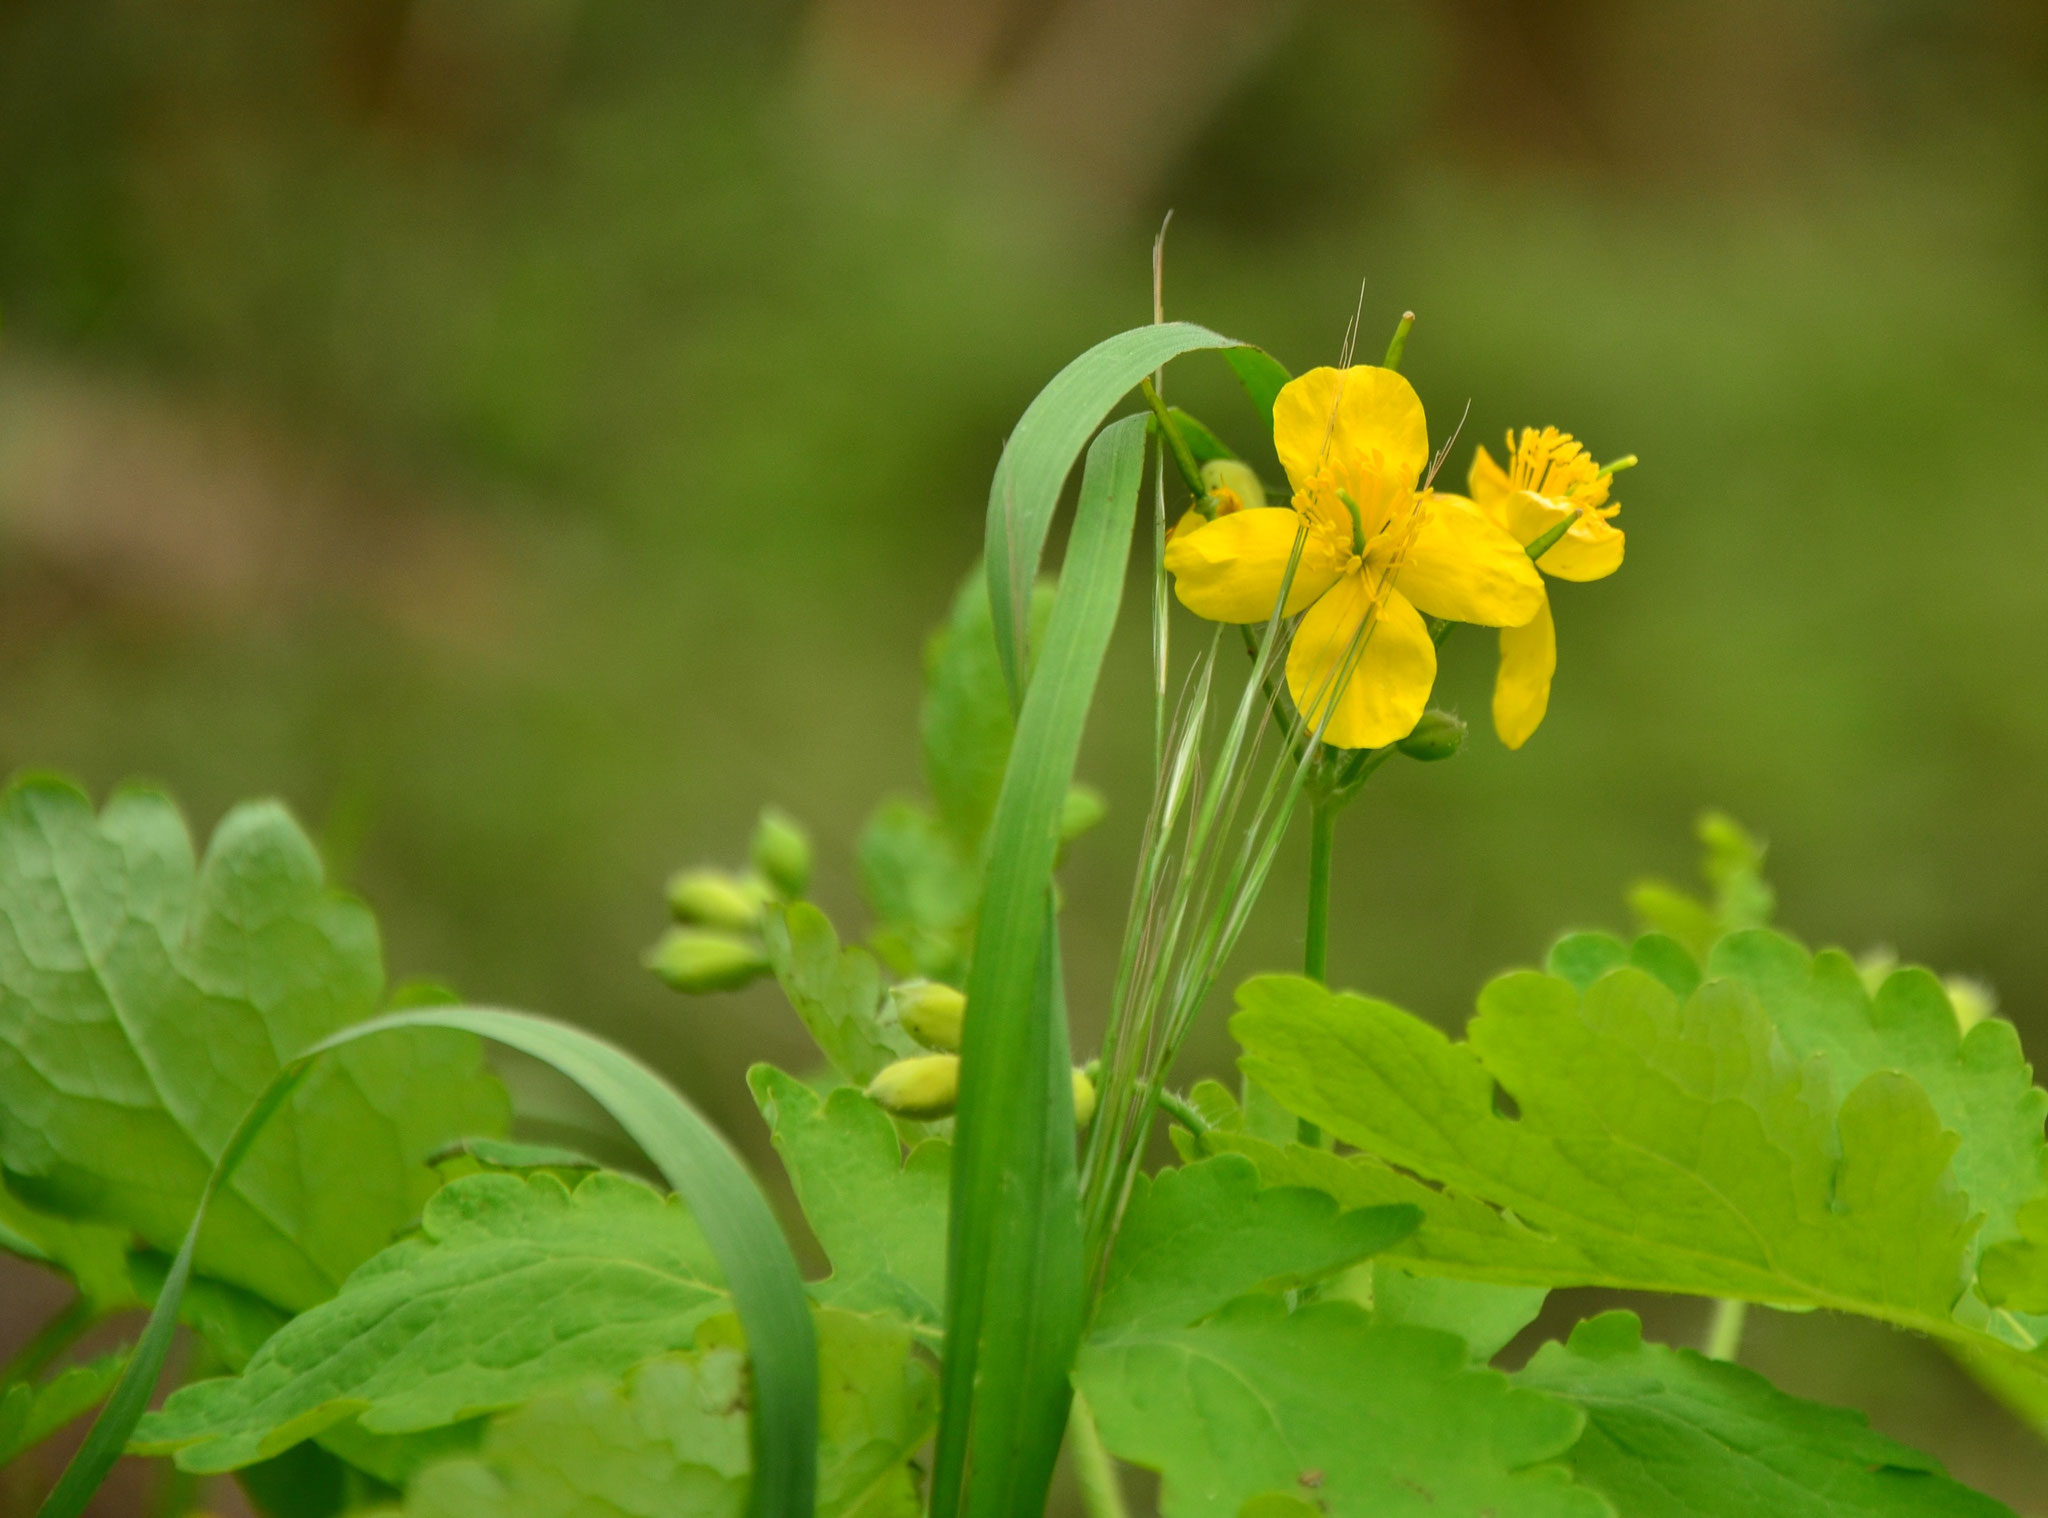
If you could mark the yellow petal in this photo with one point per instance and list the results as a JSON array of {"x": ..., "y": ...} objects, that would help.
[
  {"x": 1329, "y": 418},
  {"x": 1489, "y": 485},
  {"x": 1460, "y": 566},
  {"x": 1231, "y": 569},
  {"x": 1591, "y": 549},
  {"x": 1390, "y": 671},
  {"x": 1521, "y": 691},
  {"x": 1527, "y": 515}
]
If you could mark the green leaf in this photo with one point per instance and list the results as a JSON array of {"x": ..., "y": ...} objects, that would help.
[
  {"x": 1263, "y": 377},
  {"x": 1365, "y": 1420},
  {"x": 880, "y": 1216},
  {"x": 1981, "y": 1086},
  {"x": 147, "y": 999},
  {"x": 837, "y": 992},
  {"x": 734, "y": 1217},
  {"x": 1485, "y": 1316},
  {"x": 1194, "y": 1238},
  {"x": 1203, "y": 443},
  {"x": 670, "y": 1439},
  {"x": 1658, "y": 1145},
  {"x": 1041, "y": 453},
  {"x": 94, "y": 1255},
  {"x": 1671, "y": 1432},
  {"x": 968, "y": 722},
  {"x": 512, "y": 1287},
  {"x": 921, "y": 890},
  {"x": 1015, "y": 1298},
  {"x": 29, "y": 1414}
]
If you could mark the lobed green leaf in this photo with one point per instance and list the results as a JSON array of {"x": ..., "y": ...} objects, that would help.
[
  {"x": 1669, "y": 1431},
  {"x": 880, "y": 1215},
  {"x": 669, "y": 1440},
  {"x": 512, "y": 1287},
  {"x": 147, "y": 999},
  {"x": 1195, "y": 1238},
  {"x": 1354, "y": 1418}
]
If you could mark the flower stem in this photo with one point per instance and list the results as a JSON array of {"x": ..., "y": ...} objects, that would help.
[
  {"x": 1315, "y": 958},
  {"x": 1322, "y": 837},
  {"x": 1724, "y": 1329},
  {"x": 1100, "y": 1490}
]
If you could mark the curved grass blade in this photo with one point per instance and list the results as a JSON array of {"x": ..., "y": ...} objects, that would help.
[
  {"x": 1041, "y": 453},
  {"x": 759, "y": 1269},
  {"x": 1015, "y": 1240}
]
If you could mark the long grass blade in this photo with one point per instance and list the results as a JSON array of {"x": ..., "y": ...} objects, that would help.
[
  {"x": 1040, "y": 454},
  {"x": 759, "y": 1269},
  {"x": 1014, "y": 1287}
]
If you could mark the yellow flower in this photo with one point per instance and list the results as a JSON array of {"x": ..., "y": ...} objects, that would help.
[
  {"x": 1378, "y": 555},
  {"x": 1551, "y": 479}
]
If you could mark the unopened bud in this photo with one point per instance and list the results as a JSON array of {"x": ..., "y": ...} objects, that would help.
[
  {"x": 931, "y": 1013},
  {"x": 924, "y": 1087},
  {"x": 782, "y": 852},
  {"x": 695, "y": 960},
  {"x": 1084, "y": 1099},
  {"x": 716, "y": 899},
  {"x": 1235, "y": 478},
  {"x": 1438, "y": 735}
]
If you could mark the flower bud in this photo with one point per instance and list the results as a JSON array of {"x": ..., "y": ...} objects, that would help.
[
  {"x": 1236, "y": 479},
  {"x": 923, "y": 1087},
  {"x": 694, "y": 960},
  {"x": 716, "y": 899},
  {"x": 782, "y": 852},
  {"x": 1084, "y": 1098},
  {"x": 931, "y": 1013},
  {"x": 1438, "y": 735}
]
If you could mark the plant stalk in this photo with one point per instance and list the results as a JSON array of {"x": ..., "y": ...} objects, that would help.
[
  {"x": 1102, "y": 1493},
  {"x": 1724, "y": 1329},
  {"x": 1315, "y": 956}
]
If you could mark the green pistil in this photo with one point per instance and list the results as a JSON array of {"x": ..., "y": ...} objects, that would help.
[
  {"x": 1548, "y": 541},
  {"x": 1357, "y": 523}
]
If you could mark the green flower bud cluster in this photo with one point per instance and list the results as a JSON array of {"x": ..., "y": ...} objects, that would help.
[
  {"x": 716, "y": 945},
  {"x": 926, "y": 1087}
]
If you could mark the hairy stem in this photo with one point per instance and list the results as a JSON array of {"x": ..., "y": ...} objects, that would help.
[{"x": 1100, "y": 1490}]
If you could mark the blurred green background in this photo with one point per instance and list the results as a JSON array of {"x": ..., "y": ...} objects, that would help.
[{"x": 529, "y": 434}]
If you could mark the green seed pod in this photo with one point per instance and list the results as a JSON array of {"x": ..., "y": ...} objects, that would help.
[
  {"x": 1237, "y": 477},
  {"x": 923, "y": 1087},
  {"x": 931, "y": 1013},
  {"x": 1084, "y": 1099},
  {"x": 1438, "y": 735},
  {"x": 695, "y": 960},
  {"x": 716, "y": 899},
  {"x": 782, "y": 852}
]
